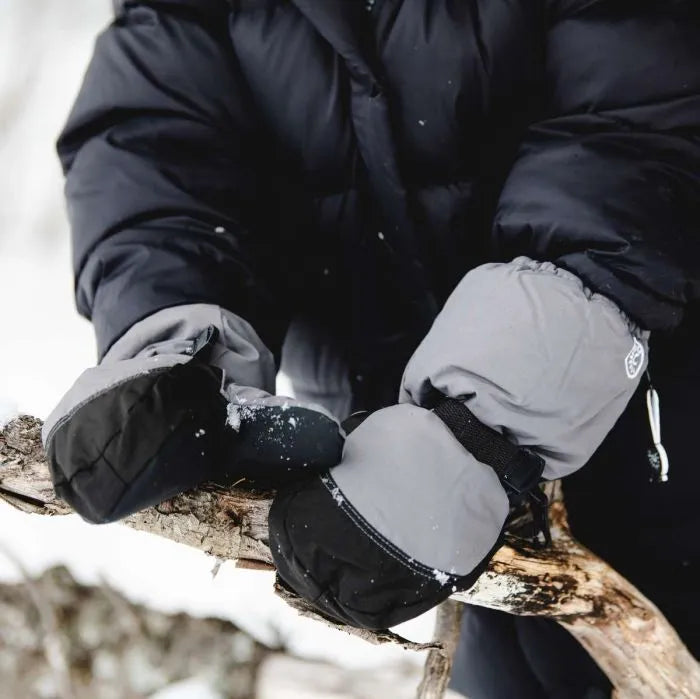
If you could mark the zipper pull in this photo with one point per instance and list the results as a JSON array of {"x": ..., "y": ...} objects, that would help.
[{"x": 658, "y": 458}]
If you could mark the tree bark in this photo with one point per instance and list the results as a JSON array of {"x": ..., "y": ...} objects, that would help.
[
  {"x": 624, "y": 632},
  {"x": 438, "y": 666}
]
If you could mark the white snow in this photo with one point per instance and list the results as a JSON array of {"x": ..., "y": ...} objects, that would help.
[
  {"x": 337, "y": 496},
  {"x": 233, "y": 418},
  {"x": 192, "y": 688},
  {"x": 237, "y": 413},
  {"x": 442, "y": 578},
  {"x": 172, "y": 577},
  {"x": 8, "y": 411},
  {"x": 45, "y": 345},
  {"x": 334, "y": 491}
]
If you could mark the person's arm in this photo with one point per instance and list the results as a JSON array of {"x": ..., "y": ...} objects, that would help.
[
  {"x": 607, "y": 183},
  {"x": 544, "y": 353},
  {"x": 175, "y": 263},
  {"x": 165, "y": 173}
]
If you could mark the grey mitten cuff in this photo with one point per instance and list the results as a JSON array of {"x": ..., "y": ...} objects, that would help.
[
  {"x": 534, "y": 355},
  {"x": 165, "y": 339}
]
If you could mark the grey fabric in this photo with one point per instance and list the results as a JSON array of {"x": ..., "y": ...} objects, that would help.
[
  {"x": 165, "y": 339},
  {"x": 248, "y": 365},
  {"x": 535, "y": 355},
  {"x": 238, "y": 351},
  {"x": 316, "y": 367},
  {"x": 414, "y": 483}
]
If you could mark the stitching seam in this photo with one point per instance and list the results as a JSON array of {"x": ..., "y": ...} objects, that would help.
[
  {"x": 377, "y": 538},
  {"x": 65, "y": 418}
]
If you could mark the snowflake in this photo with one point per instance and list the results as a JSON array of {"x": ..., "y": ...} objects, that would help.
[{"x": 442, "y": 578}]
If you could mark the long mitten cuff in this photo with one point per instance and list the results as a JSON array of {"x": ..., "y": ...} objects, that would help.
[
  {"x": 238, "y": 350},
  {"x": 535, "y": 355}
]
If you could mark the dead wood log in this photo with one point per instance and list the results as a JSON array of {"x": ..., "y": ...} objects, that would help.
[
  {"x": 438, "y": 666},
  {"x": 625, "y": 633}
]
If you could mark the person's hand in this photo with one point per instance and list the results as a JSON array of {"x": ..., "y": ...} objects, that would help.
[
  {"x": 407, "y": 518},
  {"x": 522, "y": 375},
  {"x": 133, "y": 432}
]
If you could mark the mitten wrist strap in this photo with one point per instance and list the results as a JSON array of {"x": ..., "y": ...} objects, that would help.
[{"x": 519, "y": 469}]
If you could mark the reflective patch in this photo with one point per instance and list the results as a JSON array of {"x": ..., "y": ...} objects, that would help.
[{"x": 634, "y": 361}]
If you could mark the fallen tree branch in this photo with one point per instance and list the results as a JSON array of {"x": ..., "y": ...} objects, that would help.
[
  {"x": 625, "y": 633},
  {"x": 438, "y": 666}
]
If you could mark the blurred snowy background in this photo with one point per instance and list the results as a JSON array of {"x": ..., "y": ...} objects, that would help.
[{"x": 44, "y": 345}]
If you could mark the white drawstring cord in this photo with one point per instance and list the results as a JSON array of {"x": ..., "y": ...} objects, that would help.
[{"x": 659, "y": 458}]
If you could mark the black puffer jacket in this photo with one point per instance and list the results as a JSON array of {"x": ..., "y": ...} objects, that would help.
[
  {"x": 361, "y": 162},
  {"x": 351, "y": 165}
]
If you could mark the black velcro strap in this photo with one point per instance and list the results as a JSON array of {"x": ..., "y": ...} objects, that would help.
[{"x": 518, "y": 468}]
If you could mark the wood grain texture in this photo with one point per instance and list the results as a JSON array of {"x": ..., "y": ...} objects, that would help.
[
  {"x": 438, "y": 665},
  {"x": 623, "y": 631}
]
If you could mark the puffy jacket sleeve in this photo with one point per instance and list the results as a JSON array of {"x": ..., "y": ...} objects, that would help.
[
  {"x": 607, "y": 185},
  {"x": 165, "y": 175}
]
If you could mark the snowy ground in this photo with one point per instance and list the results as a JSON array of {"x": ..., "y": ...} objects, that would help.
[{"x": 44, "y": 46}]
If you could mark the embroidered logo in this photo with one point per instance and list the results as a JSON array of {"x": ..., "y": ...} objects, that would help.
[{"x": 634, "y": 361}]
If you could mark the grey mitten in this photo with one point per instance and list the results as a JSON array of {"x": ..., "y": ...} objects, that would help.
[
  {"x": 540, "y": 369},
  {"x": 183, "y": 397}
]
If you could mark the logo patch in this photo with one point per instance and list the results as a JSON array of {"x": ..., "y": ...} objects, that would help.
[{"x": 634, "y": 361}]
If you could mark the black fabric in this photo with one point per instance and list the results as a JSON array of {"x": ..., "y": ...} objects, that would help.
[
  {"x": 203, "y": 9},
  {"x": 276, "y": 445},
  {"x": 366, "y": 161},
  {"x": 160, "y": 433},
  {"x": 327, "y": 553},
  {"x": 140, "y": 442},
  {"x": 537, "y": 659},
  {"x": 648, "y": 530},
  {"x": 518, "y": 469}
]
